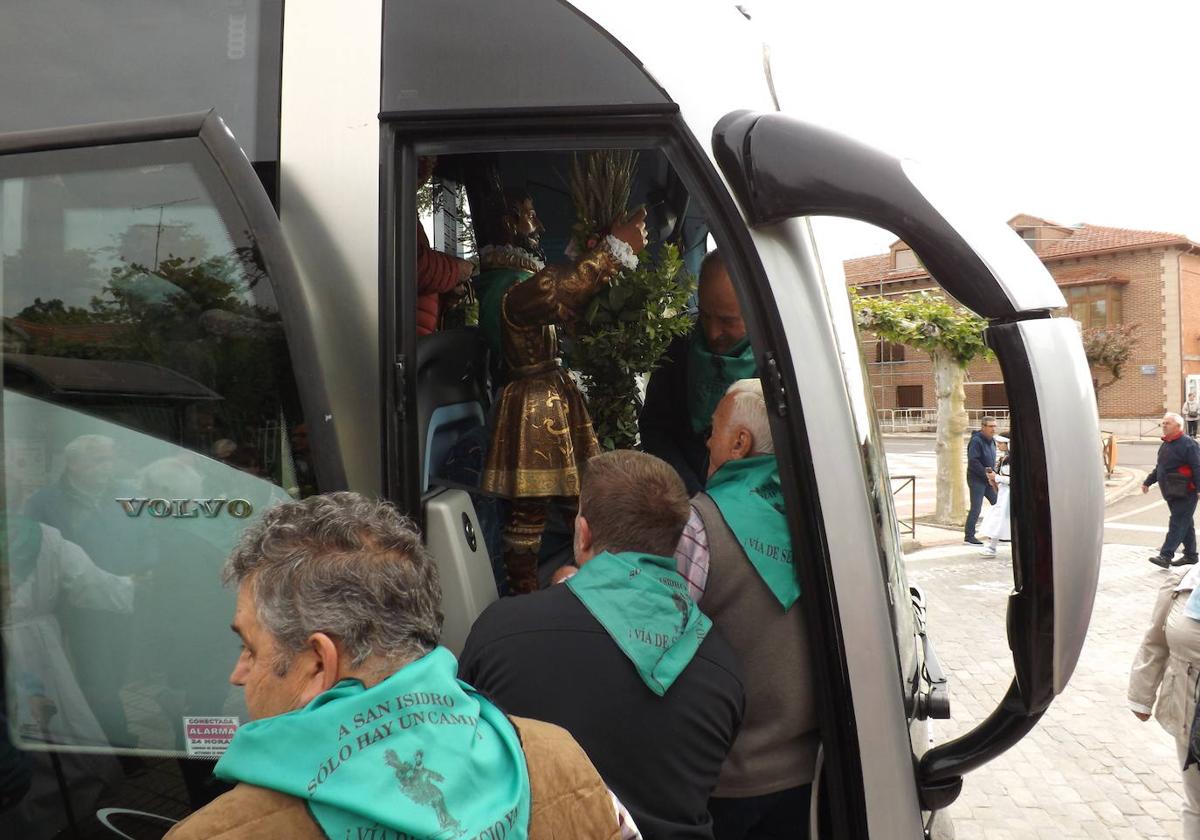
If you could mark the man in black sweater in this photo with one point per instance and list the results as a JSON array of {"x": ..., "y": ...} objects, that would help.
[
  {"x": 620, "y": 655},
  {"x": 1176, "y": 474},
  {"x": 693, "y": 375}
]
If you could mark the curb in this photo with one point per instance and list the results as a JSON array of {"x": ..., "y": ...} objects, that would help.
[{"x": 1128, "y": 481}]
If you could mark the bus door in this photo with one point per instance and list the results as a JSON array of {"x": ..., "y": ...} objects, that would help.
[
  {"x": 603, "y": 78},
  {"x": 782, "y": 169},
  {"x": 160, "y": 390}
]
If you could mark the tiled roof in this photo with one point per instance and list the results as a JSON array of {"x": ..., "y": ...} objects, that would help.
[
  {"x": 864, "y": 269},
  {"x": 1081, "y": 239},
  {"x": 1087, "y": 238}
]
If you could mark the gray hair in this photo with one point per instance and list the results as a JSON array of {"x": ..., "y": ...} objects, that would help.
[
  {"x": 750, "y": 410},
  {"x": 345, "y": 565},
  {"x": 87, "y": 447},
  {"x": 1178, "y": 418},
  {"x": 986, "y": 421}
]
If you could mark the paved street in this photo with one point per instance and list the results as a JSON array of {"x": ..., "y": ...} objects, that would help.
[
  {"x": 1090, "y": 768},
  {"x": 914, "y": 456}
]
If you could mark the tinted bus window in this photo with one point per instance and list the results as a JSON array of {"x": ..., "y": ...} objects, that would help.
[
  {"x": 70, "y": 62},
  {"x": 149, "y": 412}
]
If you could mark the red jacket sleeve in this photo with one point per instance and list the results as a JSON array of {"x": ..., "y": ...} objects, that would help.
[{"x": 436, "y": 272}]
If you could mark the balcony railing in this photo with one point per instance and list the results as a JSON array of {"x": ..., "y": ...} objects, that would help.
[{"x": 900, "y": 420}]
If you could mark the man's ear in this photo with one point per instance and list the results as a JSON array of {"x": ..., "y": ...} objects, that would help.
[
  {"x": 321, "y": 661},
  {"x": 743, "y": 443},
  {"x": 583, "y": 540}
]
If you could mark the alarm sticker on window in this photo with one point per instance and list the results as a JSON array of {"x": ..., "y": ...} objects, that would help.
[{"x": 208, "y": 737}]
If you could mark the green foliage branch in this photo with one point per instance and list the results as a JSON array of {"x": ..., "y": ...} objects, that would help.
[
  {"x": 196, "y": 316},
  {"x": 626, "y": 328},
  {"x": 925, "y": 321}
]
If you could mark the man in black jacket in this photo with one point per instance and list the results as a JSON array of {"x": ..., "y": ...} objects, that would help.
[
  {"x": 981, "y": 478},
  {"x": 620, "y": 656},
  {"x": 693, "y": 376},
  {"x": 1176, "y": 473}
]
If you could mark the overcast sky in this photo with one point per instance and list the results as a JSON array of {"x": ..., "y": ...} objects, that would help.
[{"x": 1073, "y": 111}]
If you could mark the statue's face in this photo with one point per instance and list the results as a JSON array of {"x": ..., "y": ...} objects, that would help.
[{"x": 524, "y": 226}]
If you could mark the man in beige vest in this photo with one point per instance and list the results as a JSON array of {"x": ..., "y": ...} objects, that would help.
[
  {"x": 736, "y": 556},
  {"x": 359, "y": 727}
]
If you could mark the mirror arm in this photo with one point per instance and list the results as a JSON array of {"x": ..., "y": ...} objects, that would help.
[
  {"x": 933, "y": 703},
  {"x": 940, "y": 771}
]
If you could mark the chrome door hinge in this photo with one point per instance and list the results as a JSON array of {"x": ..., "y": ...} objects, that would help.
[
  {"x": 773, "y": 389},
  {"x": 400, "y": 386}
]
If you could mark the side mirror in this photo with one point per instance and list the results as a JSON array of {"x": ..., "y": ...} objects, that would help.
[{"x": 780, "y": 168}]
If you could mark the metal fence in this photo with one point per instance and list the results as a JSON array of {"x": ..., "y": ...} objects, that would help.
[
  {"x": 898, "y": 420},
  {"x": 910, "y": 481}
]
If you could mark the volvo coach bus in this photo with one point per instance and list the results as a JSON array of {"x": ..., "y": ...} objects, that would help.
[{"x": 208, "y": 225}]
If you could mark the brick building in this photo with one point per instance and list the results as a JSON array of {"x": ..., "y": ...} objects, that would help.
[{"x": 1109, "y": 277}]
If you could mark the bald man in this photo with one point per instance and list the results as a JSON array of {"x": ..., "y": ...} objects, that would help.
[{"x": 694, "y": 374}]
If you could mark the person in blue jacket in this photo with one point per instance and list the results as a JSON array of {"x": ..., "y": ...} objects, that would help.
[
  {"x": 981, "y": 476},
  {"x": 1176, "y": 474}
]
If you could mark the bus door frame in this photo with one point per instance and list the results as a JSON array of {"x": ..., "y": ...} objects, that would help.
[{"x": 407, "y": 135}]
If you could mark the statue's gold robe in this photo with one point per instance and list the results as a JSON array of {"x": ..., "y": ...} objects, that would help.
[{"x": 543, "y": 433}]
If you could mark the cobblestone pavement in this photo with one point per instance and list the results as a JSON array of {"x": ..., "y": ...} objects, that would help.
[{"x": 1089, "y": 768}]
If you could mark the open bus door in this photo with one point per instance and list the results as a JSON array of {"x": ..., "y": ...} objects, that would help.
[{"x": 782, "y": 169}]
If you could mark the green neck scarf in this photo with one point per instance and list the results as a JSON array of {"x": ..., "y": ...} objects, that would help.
[
  {"x": 419, "y": 755},
  {"x": 644, "y": 605},
  {"x": 491, "y": 286},
  {"x": 710, "y": 375},
  {"x": 748, "y": 494}
]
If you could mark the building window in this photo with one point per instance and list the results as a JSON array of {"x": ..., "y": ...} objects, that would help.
[
  {"x": 994, "y": 395},
  {"x": 904, "y": 259},
  {"x": 1097, "y": 305},
  {"x": 910, "y": 396},
  {"x": 887, "y": 351}
]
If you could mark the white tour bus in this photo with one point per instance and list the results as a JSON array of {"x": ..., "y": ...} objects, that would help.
[{"x": 207, "y": 232}]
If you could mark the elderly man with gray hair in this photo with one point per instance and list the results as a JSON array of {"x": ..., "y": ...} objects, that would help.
[
  {"x": 736, "y": 555},
  {"x": 981, "y": 474},
  {"x": 1176, "y": 473},
  {"x": 359, "y": 726}
]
